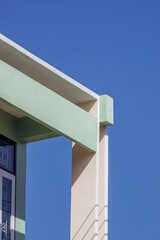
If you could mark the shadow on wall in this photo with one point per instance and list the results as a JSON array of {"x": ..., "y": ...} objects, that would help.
[
  {"x": 88, "y": 106},
  {"x": 80, "y": 159},
  {"x": 85, "y": 222},
  {"x": 19, "y": 236},
  {"x": 82, "y": 227}
]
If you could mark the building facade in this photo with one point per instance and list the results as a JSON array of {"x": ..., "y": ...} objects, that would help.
[{"x": 38, "y": 102}]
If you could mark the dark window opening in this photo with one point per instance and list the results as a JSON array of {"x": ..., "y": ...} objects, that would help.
[{"x": 7, "y": 154}]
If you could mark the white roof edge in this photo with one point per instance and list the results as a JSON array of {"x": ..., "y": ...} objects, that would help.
[{"x": 48, "y": 66}]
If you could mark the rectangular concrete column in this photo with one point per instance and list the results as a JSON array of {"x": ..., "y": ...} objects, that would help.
[
  {"x": 83, "y": 198},
  {"x": 103, "y": 185},
  {"x": 84, "y": 193},
  {"x": 89, "y": 195}
]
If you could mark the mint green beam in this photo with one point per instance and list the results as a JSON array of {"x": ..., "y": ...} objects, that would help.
[{"x": 46, "y": 107}]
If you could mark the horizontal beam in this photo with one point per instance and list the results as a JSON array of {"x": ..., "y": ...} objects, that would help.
[{"x": 47, "y": 108}]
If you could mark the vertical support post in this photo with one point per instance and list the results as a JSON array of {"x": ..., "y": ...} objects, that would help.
[
  {"x": 103, "y": 184},
  {"x": 85, "y": 184},
  {"x": 83, "y": 194},
  {"x": 20, "y": 191},
  {"x": 89, "y": 194}
]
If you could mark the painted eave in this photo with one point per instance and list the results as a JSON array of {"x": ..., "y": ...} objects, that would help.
[{"x": 42, "y": 72}]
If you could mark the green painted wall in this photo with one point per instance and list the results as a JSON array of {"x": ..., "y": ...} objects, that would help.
[
  {"x": 48, "y": 108},
  {"x": 8, "y": 125},
  {"x": 20, "y": 190},
  {"x": 9, "y": 128}
]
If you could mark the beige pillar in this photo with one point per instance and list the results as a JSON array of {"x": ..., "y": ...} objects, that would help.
[
  {"x": 103, "y": 185},
  {"x": 88, "y": 195},
  {"x": 83, "y": 196}
]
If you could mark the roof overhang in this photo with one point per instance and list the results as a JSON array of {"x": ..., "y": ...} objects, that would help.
[
  {"x": 42, "y": 72},
  {"x": 37, "y": 101}
]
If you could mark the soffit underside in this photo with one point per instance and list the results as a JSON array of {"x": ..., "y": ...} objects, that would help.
[{"x": 19, "y": 127}]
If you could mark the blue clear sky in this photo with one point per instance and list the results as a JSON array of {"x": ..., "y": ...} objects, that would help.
[{"x": 111, "y": 47}]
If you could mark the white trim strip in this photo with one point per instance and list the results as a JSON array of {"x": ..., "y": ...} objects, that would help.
[
  {"x": 106, "y": 183},
  {"x": 97, "y": 173}
]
